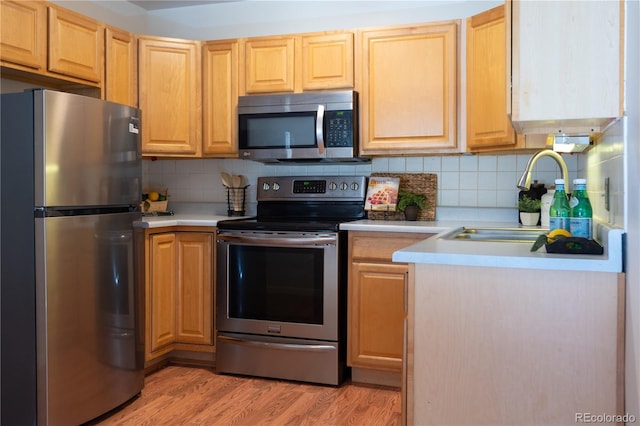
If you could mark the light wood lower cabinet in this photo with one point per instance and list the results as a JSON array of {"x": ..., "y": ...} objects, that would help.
[
  {"x": 515, "y": 345},
  {"x": 377, "y": 306},
  {"x": 179, "y": 292}
]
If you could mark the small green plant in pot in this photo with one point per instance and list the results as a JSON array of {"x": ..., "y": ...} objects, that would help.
[
  {"x": 410, "y": 203},
  {"x": 529, "y": 209}
]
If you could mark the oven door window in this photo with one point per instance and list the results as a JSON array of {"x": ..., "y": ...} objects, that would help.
[{"x": 276, "y": 283}]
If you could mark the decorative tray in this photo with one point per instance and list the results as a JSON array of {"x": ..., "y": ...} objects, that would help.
[{"x": 574, "y": 245}]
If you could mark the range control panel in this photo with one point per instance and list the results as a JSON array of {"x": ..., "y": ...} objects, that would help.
[{"x": 343, "y": 188}]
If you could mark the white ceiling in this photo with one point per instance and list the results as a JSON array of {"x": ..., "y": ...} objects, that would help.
[{"x": 173, "y": 4}]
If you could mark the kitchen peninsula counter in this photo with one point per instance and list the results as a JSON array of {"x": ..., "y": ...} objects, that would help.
[
  {"x": 492, "y": 324},
  {"x": 436, "y": 250}
]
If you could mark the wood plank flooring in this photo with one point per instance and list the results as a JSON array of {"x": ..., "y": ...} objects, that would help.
[{"x": 179, "y": 395}]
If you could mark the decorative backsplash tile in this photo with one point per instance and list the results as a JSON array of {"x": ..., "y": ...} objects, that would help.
[{"x": 463, "y": 181}]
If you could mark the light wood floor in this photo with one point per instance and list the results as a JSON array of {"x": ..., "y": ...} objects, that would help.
[{"x": 178, "y": 395}]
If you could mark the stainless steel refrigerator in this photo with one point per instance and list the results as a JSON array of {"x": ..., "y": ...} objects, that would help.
[{"x": 71, "y": 290}]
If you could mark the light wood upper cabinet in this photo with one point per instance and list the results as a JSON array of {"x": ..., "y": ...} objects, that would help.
[
  {"x": 269, "y": 64},
  {"x": 170, "y": 96},
  {"x": 120, "y": 67},
  {"x": 220, "y": 98},
  {"x": 488, "y": 125},
  {"x": 408, "y": 89},
  {"x": 567, "y": 65},
  {"x": 298, "y": 62},
  {"x": 23, "y": 34},
  {"x": 76, "y": 45},
  {"x": 327, "y": 61}
]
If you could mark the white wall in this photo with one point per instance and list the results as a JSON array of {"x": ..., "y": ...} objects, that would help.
[{"x": 255, "y": 18}]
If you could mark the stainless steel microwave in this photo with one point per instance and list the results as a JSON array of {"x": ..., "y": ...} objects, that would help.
[{"x": 299, "y": 127}]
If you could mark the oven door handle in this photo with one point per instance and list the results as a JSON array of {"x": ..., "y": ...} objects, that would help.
[
  {"x": 279, "y": 241},
  {"x": 282, "y": 346}
]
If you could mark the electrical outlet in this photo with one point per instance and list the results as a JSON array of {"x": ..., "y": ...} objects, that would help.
[{"x": 606, "y": 194}]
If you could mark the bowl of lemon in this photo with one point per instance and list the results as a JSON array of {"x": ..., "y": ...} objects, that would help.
[{"x": 155, "y": 201}]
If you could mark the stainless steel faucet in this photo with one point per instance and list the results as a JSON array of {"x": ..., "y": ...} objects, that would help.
[{"x": 524, "y": 183}]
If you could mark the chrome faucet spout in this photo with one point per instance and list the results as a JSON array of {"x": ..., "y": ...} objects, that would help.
[{"x": 524, "y": 183}]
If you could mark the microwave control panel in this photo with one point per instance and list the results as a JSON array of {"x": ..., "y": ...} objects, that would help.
[{"x": 339, "y": 128}]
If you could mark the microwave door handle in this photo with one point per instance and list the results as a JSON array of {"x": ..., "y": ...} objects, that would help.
[{"x": 319, "y": 126}]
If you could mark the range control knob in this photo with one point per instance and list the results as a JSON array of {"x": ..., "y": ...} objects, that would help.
[
  {"x": 355, "y": 186},
  {"x": 276, "y": 186},
  {"x": 333, "y": 186},
  {"x": 265, "y": 186},
  {"x": 343, "y": 186}
]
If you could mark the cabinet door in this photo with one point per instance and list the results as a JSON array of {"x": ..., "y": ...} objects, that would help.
[
  {"x": 120, "y": 67},
  {"x": 378, "y": 311},
  {"x": 408, "y": 89},
  {"x": 161, "y": 293},
  {"x": 194, "y": 288},
  {"x": 220, "y": 97},
  {"x": 567, "y": 65},
  {"x": 327, "y": 61},
  {"x": 170, "y": 97},
  {"x": 23, "y": 34},
  {"x": 269, "y": 65},
  {"x": 488, "y": 125},
  {"x": 76, "y": 45}
]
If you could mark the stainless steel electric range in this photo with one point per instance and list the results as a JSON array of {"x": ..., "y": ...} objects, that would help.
[{"x": 282, "y": 280}]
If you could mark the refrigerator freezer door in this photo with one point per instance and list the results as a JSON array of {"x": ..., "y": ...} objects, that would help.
[
  {"x": 90, "y": 347},
  {"x": 87, "y": 151}
]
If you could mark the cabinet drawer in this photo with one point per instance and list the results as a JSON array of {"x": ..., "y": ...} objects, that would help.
[{"x": 380, "y": 245}]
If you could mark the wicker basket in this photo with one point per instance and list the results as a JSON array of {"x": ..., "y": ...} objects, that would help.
[{"x": 154, "y": 206}]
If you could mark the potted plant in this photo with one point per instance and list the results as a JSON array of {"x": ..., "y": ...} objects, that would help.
[
  {"x": 410, "y": 203},
  {"x": 529, "y": 209}
]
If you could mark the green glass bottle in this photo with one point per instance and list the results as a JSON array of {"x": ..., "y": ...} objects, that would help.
[
  {"x": 559, "y": 210},
  {"x": 581, "y": 214}
]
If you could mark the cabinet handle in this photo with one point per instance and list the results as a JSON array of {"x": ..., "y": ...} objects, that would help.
[{"x": 406, "y": 293}]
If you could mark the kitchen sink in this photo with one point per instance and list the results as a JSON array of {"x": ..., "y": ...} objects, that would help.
[{"x": 495, "y": 234}]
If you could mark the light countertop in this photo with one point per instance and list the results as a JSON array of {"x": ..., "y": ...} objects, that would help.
[
  {"x": 436, "y": 250},
  {"x": 183, "y": 219},
  {"x": 399, "y": 226}
]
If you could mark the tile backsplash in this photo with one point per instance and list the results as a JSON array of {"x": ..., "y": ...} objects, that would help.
[{"x": 473, "y": 181}]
